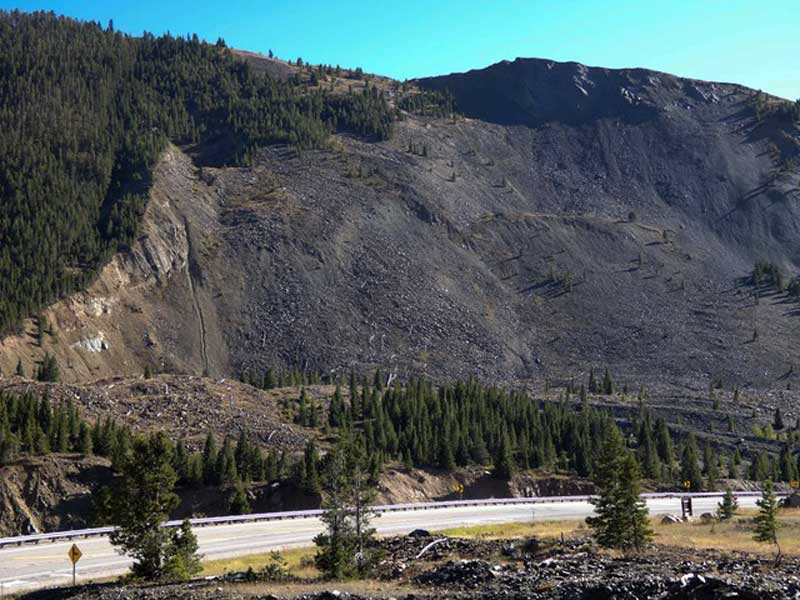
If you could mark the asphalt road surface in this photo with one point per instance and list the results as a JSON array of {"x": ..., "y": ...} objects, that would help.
[{"x": 47, "y": 564}]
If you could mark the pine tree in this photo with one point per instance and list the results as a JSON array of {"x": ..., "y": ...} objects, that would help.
[
  {"x": 608, "y": 385},
  {"x": 690, "y": 466},
  {"x": 210, "y": 474},
  {"x": 269, "y": 379},
  {"x": 20, "y": 368},
  {"x": 140, "y": 500},
  {"x": 447, "y": 460},
  {"x": 733, "y": 465},
  {"x": 336, "y": 544},
  {"x": 345, "y": 547},
  {"x": 504, "y": 466},
  {"x": 363, "y": 496},
  {"x": 336, "y": 410},
  {"x": 620, "y": 519},
  {"x": 592, "y": 382},
  {"x": 48, "y": 370},
  {"x": 710, "y": 467},
  {"x": 760, "y": 467},
  {"x": 728, "y": 507},
  {"x": 664, "y": 444},
  {"x": 766, "y": 522},
  {"x": 787, "y": 464},
  {"x": 85, "y": 439},
  {"x": 311, "y": 485},
  {"x": 226, "y": 470},
  {"x": 182, "y": 561},
  {"x": 239, "y": 503},
  {"x": 632, "y": 506}
]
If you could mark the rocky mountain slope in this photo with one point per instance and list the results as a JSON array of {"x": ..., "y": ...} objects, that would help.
[{"x": 576, "y": 217}]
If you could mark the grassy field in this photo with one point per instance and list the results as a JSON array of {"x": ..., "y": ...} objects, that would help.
[
  {"x": 547, "y": 529},
  {"x": 299, "y": 562},
  {"x": 735, "y": 535}
]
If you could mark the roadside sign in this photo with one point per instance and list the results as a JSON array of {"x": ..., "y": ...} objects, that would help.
[
  {"x": 795, "y": 484},
  {"x": 74, "y": 554}
]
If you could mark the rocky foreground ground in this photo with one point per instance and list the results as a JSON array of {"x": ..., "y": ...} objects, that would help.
[{"x": 503, "y": 569}]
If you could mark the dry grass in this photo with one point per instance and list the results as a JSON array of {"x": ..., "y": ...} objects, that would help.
[
  {"x": 736, "y": 535},
  {"x": 299, "y": 562},
  {"x": 498, "y": 531}
]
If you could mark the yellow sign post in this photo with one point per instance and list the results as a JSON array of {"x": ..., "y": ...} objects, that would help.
[
  {"x": 459, "y": 489},
  {"x": 74, "y": 555}
]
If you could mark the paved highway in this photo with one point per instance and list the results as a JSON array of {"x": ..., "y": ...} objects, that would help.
[{"x": 46, "y": 565}]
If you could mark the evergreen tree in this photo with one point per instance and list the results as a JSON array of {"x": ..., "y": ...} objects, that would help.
[
  {"x": 690, "y": 466},
  {"x": 733, "y": 465},
  {"x": 85, "y": 439},
  {"x": 504, "y": 465},
  {"x": 362, "y": 499},
  {"x": 608, "y": 385},
  {"x": 728, "y": 507},
  {"x": 346, "y": 546},
  {"x": 788, "y": 468},
  {"x": 311, "y": 485},
  {"x": 226, "y": 470},
  {"x": 760, "y": 467},
  {"x": 620, "y": 519},
  {"x": 335, "y": 556},
  {"x": 239, "y": 503},
  {"x": 592, "y": 382},
  {"x": 766, "y": 522},
  {"x": 710, "y": 467},
  {"x": 48, "y": 370},
  {"x": 210, "y": 473},
  {"x": 182, "y": 560},
  {"x": 141, "y": 499},
  {"x": 633, "y": 507},
  {"x": 336, "y": 410},
  {"x": 20, "y": 368},
  {"x": 666, "y": 454}
]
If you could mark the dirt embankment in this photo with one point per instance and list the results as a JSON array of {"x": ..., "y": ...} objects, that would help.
[
  {"x": 400, "y": 485},
  {"x": 49, "y": 493}
]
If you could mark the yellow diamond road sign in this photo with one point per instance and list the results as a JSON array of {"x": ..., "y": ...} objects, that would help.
[{"x": 74, "y": 554}]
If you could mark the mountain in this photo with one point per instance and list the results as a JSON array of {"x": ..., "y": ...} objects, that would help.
[{"x": 568, "y": 218}]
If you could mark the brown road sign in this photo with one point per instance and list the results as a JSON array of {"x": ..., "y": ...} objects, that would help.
[{"x": 74, "y": 554}]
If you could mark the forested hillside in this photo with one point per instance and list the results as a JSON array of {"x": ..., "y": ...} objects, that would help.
[{"x": 85, "y": 112}]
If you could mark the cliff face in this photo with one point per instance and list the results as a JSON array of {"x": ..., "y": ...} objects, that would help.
[
  {"x": 577, "y": 217},
  {"x": 143, "y": 308}
]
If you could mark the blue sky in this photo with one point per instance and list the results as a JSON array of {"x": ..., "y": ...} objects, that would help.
[{"x": 756, "y": 43}]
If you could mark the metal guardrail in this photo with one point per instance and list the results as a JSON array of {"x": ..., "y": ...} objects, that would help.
[{"x": 303, "y": 514}]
